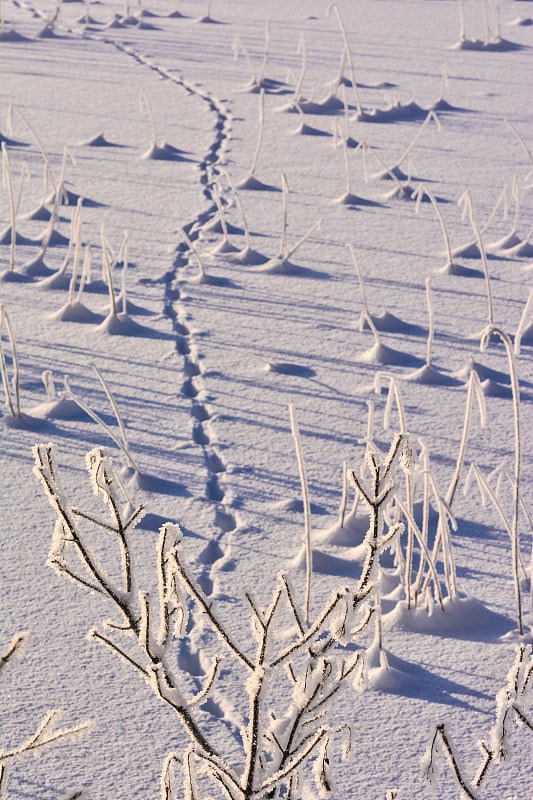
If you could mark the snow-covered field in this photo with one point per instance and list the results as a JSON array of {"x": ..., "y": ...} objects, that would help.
[{"x": 248, "y": 300}]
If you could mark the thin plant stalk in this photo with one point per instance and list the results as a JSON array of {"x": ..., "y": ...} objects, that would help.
[
  {"x": 284, "y": 201},
  {"x": 431, "y": 326},
  {"x": 350, "y": 60},
  {"x": 264, "y": 65},
  {"x": 238, "y": 47},
  {"x": 291, "y": 251},
  {"x": 462, "y": 30},
  {"x": 76, "y": 262},
  {"x": 146, "y": 107},
  {"x": 120, "y": 443},
  {"x": 123, "y": 290},
  {"x": 467, "y": 201},
  {"x": 75, "y": 224},
  {"x": 8, "y": 184},
  {"x": 520, "y": 140},
  {"x": 307, "y": 513},
  {"x": 394, "y": 393},
  {"x": 13, "y": 404},
  {"x": 528, "y": 309},
  {"x": 48, "y": 169},
  {"x": 368, "y": 315},
  {"x": 194, "y": 251},
  {"x": 419, "y": 193},
  {"x": 261, "y": 120},
  {"x": 344, "y": 498},
  {"x": 347, "y": 167},
  {"x": 301, "y": 50},
  {"x": 474, "y": 389},
  {"x": 108, "y": 274},
  {"x": 515, "y": 541},
  {"x": 430, "y": 116}
]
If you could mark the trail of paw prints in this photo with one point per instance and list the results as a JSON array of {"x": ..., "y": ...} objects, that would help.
[{"x": 215, "y": 555}]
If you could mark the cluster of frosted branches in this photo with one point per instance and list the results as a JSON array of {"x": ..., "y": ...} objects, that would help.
[
  {"x": 509, "y": 710},
  {"x": 291, "y": 673}
]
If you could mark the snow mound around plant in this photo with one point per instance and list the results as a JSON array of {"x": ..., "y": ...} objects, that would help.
[{"x": 459, "y": 617}]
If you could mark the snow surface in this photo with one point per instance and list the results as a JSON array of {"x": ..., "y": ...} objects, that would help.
[{"x": 218, "y": 342}]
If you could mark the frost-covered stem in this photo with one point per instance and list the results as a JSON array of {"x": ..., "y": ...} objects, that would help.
[
  {"x": 123, "y": 291},
  {"x": 520, "y": 140},
  {"x": 284, "y": 200},
  {"x": 515, "y": 542},
  {"x": 307, "y": 512},
  {"x": 344, "y": 498},
  {"x": 291, "y": 251},
  {"x": 515, "y": 191},
  {"x": 393, "y": 393},
  {"x": 221, "y": 212},
  {"x": 194, "y": 251},
  {"x": 51, "y": 224},
  {"x": 340, "y": 75},
  {"x": 431, "y": 328},
  {"x": 261, "y": 121},
  {"x": 206, "y": 607},
  {"x": 473, "y": 387},
  {"x": 255, "y": 699},
  {"x": 488, "y": 757},
  {"x": 443, "y": 535},
  {"x": 350, "y": 60},
  {"x": 462, "y": 30},
  {"x": 468, "y": 202},
  {"x": 488, "y": 33},
  {"x": 419, "y": 193},
  {"x": 301, "y": 757},
  {"x": 265, "y": 53},
  {"x": 528, "y": 308},
  {"x": 114, "y": 406},
  {"x": 45, "y": 470},
  {"x": 302, "y": 48},
  {"x": 381, "y": 491},
  {"x": 108, "y": 273},
  {"x": 145, "y": 106},
  {"x": 241, "y": 209},
  {"x": 121, "y": 531},
  {"x": 368, "y": 315},
  {"x": 167, "y": 792},
  {"x": 315, "y": 627},
  {"x": 430, "y": 558},
  {"x": 429, "y": 116},
  {"x": 441, "y": 734},
  {"x": 13, "y": 406},
  {"x": 346, "y": 167},
  {"x": 43, "y": 736},
  {"x": 72, "y": 238},
  {"x": 8, "y": 183},
  {"x": 238, "y": 47},
  {"x": 93, "y": 415},
  {"x": 77, "y": 251},
  {"x": 11, "y": 650}
]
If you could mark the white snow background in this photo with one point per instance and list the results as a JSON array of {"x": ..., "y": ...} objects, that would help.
[{"x": 213, "y": 354}]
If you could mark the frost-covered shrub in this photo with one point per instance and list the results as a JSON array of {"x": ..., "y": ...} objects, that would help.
[
  {"x": 510, "y": 708},
  {"x": 290, "y": 671}
]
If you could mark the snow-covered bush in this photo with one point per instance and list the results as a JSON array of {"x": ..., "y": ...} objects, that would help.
[
  {"x": 291, "y": 668},
  {"x": 509, "y": 708}
]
